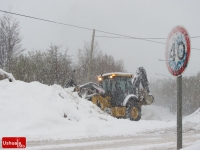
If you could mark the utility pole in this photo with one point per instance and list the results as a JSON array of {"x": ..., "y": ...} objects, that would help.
[{"x": 91, "y": 52}]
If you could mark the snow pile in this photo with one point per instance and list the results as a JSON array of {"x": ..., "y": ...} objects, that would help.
[
  {"x": 152, "y": 112},
  {"x": 4, "y": 75},
  {"x": 195, "y": 146},
  {"x": 38, "y": 111},
  {"x": 34, "y": 108},
  {"x": 192, "y": 122},
  {"x": 194, "y": 117}
]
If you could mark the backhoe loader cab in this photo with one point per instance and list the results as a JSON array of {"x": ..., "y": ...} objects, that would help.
[{"x": 116, "y": 85}]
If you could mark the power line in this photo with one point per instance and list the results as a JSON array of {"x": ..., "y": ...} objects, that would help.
[
  {"x": 46, "y": 20},
  {"x": 75, "y": 26},
  {"x": 195, "y": 37},
  {"x": 163, "y": 75},
  {"x": 79, "y": 27},
  {"x": 129, "y": 38},
  {"x": 140, "y": 38},
  {"x": 196, "y": 48}
]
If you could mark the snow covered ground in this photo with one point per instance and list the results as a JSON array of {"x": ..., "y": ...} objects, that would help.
[{"x": 51, "y": 113}]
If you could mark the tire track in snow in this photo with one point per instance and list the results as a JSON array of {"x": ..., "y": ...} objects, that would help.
[{"x": 144, "y": 141}]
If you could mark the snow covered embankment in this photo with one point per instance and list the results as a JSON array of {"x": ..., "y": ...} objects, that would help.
[
  {"x": 34, "y": 109},
  {"x": 38, "y": 111}
]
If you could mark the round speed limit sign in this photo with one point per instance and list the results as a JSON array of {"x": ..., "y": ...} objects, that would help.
[{"x": 177, "y": 50}]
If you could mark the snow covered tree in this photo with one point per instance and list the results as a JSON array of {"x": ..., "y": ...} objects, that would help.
[
  {"x": 10, "y": 41},
  {"x": 165, "y": 93},
  {"x": 50, "y": 67},
  {"x": 101, "y": 63}
]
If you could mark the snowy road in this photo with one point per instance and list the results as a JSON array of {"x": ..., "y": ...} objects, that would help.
[{"x": 144, "y": 141}]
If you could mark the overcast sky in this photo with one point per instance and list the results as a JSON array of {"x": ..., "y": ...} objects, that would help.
[{"x": 143, "y": 19}]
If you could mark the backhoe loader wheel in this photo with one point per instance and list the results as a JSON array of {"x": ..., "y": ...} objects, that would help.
[{"x": 133, "y": 110}]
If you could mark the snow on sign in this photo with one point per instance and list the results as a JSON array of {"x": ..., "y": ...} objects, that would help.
[{"x": 177, "y": 50}]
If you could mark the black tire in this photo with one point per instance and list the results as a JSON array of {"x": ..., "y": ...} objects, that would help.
[
  {"x": 133, "y": 110},
  {"x": 98, "y": 104}
]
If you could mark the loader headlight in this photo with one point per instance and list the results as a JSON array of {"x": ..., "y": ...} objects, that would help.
[
  {"x": 100, "y": 78},
  {"x": 112, "y": 76}
]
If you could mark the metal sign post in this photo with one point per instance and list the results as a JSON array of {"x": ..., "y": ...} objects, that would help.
[
  {"x": 179, "y": 112},
  {"x": 177, "y": 53}
]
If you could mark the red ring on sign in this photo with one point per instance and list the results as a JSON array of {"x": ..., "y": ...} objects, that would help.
[{"x": 182, "y": 30}]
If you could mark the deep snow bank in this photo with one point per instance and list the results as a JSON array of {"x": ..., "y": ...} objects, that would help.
[
  {"x": 38, "y": 111},
  {"x": 195, "y": 146},
  {"x": 35, "y": 109},
  {"x": 194, "y": 117},
  {"x": 192, "y": 122}
]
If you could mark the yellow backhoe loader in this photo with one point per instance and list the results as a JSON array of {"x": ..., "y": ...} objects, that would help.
[{"x": 119, "y": 94}]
